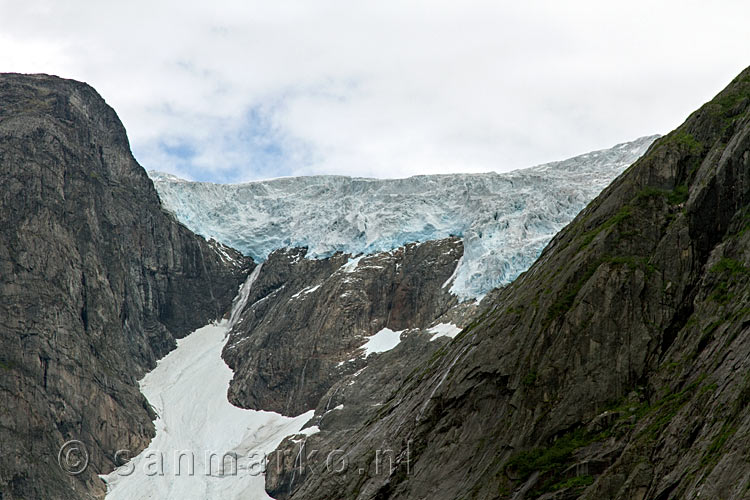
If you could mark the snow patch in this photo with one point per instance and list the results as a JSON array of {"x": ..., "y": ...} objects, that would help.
[
  {"x": 305, "y": 291},
  {"x": 219, "y": 248},
  {"x": 385, "y": 340},
  {"x": 188, "y": 391},
  {"x": 444, "y": 330},
  {"x": 351, "y": 264},
  {"x": 240, "y": 301},
  {"x": 455, "y": 273},
  {"x": 309, "y": 431}
]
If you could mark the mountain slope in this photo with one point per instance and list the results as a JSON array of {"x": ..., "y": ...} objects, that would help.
[
  {"x": 616, "y": 367},
  {"x": 504, "y": 219},
  {"x": 307, "y": 319},
  {"x": 97, "y": 281}
]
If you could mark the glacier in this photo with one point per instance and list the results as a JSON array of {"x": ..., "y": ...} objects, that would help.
[{"x": 504, "y": 219}]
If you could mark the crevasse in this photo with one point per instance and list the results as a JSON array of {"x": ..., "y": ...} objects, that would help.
[{"x": 505, "y": 219}]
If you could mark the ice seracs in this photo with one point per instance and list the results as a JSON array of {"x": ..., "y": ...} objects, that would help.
[{"x": 504, "y": 219}]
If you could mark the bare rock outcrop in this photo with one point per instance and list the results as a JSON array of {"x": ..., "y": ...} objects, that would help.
[
  {"x": 616, "y": 367},
  {"x": 306, "y": 319},
  {"x": 96, "y": 280}
]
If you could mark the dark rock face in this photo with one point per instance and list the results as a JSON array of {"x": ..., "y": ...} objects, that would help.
[
  {"x": 297, "y": 344},
  {"x": 306, "y": 319},
  {"x": 616, "y": 367},
  {"x": 96, "y": 280},
  {"x": 354, "y": 399}
]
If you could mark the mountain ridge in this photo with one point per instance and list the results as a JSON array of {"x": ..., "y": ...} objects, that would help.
[
  {"x": 616, "y": 367},
  {"x": 97, "y": 281}
]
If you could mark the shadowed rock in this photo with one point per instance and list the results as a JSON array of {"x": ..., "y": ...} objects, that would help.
[
  {"x": 96, "y": 283},
  {"x": 616, "y": 367},
  {"x": 306, "y": 319}
]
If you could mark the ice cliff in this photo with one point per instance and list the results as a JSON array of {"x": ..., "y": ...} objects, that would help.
[{"x": 504, "y": 219}]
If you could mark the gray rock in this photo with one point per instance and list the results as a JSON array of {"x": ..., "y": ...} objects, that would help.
[
  {"x": 616, "y": 367},
  {"x": 96, "y": 280},
  {"x": 307, "y": 319}
]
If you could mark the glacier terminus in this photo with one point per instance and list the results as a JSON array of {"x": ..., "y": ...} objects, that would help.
[{"x": 504, "y": 219}]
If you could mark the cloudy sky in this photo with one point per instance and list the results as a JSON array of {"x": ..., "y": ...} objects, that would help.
[{"x": 239, "y": 90}]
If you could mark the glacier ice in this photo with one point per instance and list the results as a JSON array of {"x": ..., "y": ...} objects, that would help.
[{"x": 505, "y": 219}]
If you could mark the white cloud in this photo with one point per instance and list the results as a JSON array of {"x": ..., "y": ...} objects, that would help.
[{"x": 232, "y": 90}]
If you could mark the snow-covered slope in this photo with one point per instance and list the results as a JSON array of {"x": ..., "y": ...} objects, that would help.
[
  {"x": 204, "y": 447},
  {"x": 505, "y": 219}
]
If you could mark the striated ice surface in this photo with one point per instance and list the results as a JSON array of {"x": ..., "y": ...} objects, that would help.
[{"x": 505, "y": 219}]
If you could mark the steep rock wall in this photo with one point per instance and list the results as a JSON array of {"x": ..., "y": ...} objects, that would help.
[
  {"x": 96, "y": 280},
  {"x": 616, "y": 367}
]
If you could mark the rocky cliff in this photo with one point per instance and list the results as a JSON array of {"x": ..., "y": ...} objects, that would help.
[
  {"x": 616, "y": 367},
  {"x": 307, "y": 319},
  {"x": 96, "y": 280}
]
